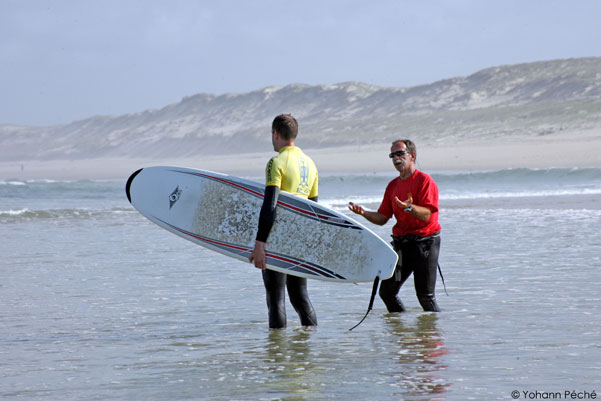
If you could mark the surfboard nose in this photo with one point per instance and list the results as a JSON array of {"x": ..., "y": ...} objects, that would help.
[{"x": 128, "y": 185}]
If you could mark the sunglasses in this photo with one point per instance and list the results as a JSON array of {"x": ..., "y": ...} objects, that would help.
[{"x": 398, "y": 153}]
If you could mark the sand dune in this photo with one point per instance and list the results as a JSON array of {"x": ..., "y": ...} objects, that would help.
[{"x": 580, "y": 149}]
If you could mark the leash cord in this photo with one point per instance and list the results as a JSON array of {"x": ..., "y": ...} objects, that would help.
[{"x": 371, "y": 301}]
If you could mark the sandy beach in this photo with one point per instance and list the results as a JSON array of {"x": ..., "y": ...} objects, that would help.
[{"x": 568, "y": 150}]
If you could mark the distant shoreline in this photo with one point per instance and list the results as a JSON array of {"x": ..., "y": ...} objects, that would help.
[{"x": 568, "y": 150}]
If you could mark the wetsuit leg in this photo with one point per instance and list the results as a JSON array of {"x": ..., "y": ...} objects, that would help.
[
  {"x": 275, "y": 288},
  {"x": 299, "y": 298},
  {"x": 426, "y": 263},
  {"x": 390, "y": 288}
]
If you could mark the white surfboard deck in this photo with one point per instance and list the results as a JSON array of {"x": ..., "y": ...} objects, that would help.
[{"x": 221, "y": 213}]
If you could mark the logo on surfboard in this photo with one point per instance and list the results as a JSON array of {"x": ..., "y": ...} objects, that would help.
[{"x": 174, "y": 197}]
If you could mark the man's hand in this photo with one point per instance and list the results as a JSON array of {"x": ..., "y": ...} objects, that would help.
[
  {"x": 358, "y": 209},
  {"x": 258, "y": 256},
  {"x": 419, "y": 212},
  {"x": 373, "y": 217},
  {"x": 405, "y": 204}
]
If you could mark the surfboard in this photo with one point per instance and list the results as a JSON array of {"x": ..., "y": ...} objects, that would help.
[{"x": 221, "y": 212}]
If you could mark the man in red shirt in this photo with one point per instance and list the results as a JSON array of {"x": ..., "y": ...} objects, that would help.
[{"x": 413, "y": 200}]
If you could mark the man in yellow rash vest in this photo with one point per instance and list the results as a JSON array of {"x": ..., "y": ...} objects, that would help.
[{"x": 294, "y": 172}]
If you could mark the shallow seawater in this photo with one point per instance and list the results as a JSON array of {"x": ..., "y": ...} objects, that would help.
[{"x": 98, "y": 303}]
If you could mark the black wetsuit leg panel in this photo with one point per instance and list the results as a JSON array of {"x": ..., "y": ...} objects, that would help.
[
  {"x": 390, "y": 288},
  {"x": 275, "y": 288},
  {"x": 299, "y": 298},
  {"x": 425, "y": 260},
  {"x": 388, "y": 292}
]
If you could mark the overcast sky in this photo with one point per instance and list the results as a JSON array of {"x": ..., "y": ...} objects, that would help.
[{"x": 62, "y": 61}]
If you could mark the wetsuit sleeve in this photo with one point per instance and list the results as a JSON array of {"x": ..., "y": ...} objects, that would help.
[{"x": 267, "y": 214}]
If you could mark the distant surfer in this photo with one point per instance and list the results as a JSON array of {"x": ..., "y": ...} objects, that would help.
[
  {"x": 294, "y": 172},
  {"x": 413, "y": 200}
]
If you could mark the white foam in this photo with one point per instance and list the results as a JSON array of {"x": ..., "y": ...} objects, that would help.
[
  {"x": 12, "y": 212},
  {"x": 521, "y": 194},
  {"x": 15, "y": 183}
]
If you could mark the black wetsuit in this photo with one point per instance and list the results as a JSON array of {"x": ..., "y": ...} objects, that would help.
[
  {"x": 419, "y": 256},
  {"x": 276, "y": 283}
]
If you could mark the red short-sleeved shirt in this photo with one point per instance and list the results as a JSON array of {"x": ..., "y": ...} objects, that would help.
[{"x": 425, "y": 193}]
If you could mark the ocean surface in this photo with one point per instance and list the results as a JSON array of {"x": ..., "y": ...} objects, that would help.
[{"x": 98, "y": 303}]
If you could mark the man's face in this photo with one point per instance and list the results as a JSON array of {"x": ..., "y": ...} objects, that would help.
[{"x": 401, "y": 161}]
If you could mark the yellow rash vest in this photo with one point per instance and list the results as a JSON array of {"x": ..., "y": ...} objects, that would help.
[{"x": 292, "y": 171}]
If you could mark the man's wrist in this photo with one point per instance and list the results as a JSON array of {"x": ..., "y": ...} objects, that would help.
[{"x": 408, "y": 209}]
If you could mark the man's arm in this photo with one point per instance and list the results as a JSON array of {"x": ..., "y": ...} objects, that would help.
[
  {"x": 373, "y": 217},
  {"x": 419, "y": 212},
  {"x": 266, "y": 220}
]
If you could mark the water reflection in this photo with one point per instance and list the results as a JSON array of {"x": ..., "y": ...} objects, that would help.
[
  {"x": 287, "y": 357},
  {"x": 419, "y": 348}
]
